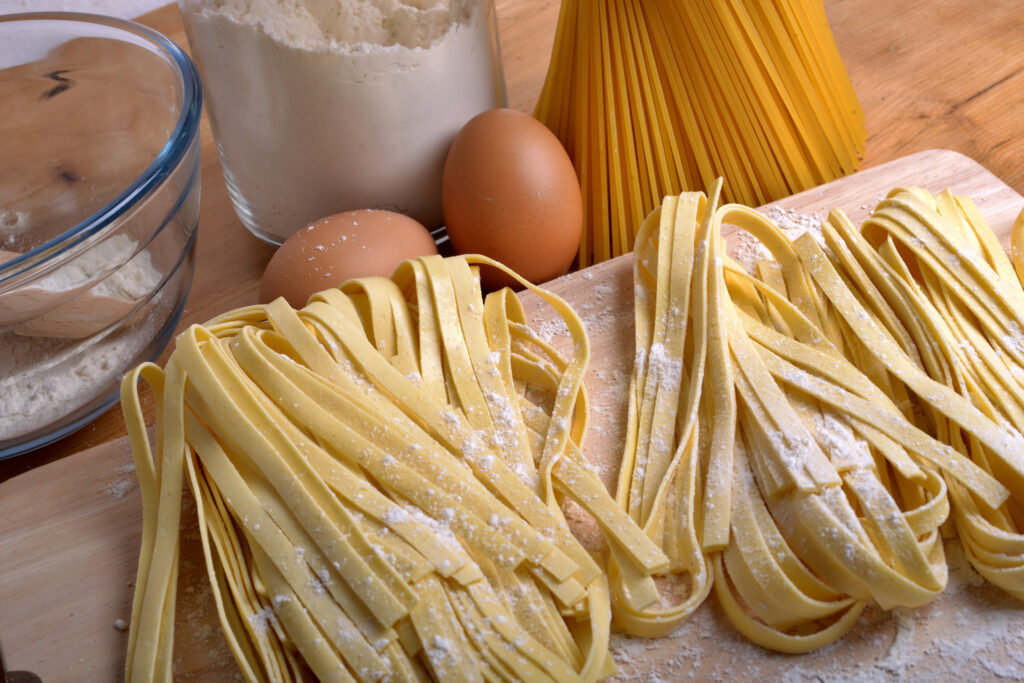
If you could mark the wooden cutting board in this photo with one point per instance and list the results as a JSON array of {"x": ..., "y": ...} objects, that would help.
[{"x": 69, "y": 531}]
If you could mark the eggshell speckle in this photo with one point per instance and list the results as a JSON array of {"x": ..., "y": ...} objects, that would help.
[
  {"x": 341, "y": 247},
  {"x": 510, "y": 192}
]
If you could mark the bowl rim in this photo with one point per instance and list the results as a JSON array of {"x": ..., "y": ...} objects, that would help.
[{"x": 167, "y": 160}]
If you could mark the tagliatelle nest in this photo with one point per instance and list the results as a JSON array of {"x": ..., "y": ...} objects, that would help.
[
  {"x": 799, "y": 435},
  {"x": 377, "y": 496}
]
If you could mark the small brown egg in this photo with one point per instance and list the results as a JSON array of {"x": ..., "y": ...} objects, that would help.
[
  {"x": 341, "y": 247},
  {"x": 510, "y": 192}
]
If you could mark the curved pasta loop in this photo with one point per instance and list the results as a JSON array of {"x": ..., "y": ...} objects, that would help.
[
  {"x": 1017, "y": 245},
  {"x": 378, "y": 479},
  {"x": 160, "y": 484},
  {"x": 766, "y": 591}
]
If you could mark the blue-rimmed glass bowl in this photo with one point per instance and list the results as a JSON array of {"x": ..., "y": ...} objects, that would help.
[{"x": 99, "y": 204}]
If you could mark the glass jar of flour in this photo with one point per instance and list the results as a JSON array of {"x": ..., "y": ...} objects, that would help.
[{"x": 320, "y": 106}]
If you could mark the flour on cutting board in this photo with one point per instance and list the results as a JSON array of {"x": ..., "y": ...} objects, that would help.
[
  {"x": 977, "y": 636},
  {"x": 124, "y": 483}
]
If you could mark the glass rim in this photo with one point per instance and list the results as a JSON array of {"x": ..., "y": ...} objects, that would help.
[{"x": 172, "y": 153}]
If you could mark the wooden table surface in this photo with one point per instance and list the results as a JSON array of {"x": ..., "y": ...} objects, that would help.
[{"x": 929, "y": 74}]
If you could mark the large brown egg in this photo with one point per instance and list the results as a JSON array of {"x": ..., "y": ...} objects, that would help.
[
  {"x": 510, "y": 192},
  {"x": 341, "y": 247}
]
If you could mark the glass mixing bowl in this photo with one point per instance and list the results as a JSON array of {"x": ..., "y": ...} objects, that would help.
[{"x": 99, "y": 204}]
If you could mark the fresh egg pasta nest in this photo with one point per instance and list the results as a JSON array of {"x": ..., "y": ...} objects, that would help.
[
  {"x": 799, "y": 435},
  {"x": 379, "y": 479}
]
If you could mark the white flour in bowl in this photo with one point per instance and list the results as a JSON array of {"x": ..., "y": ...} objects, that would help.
[
  {"x": 320, "y": 106},
  {"x": 33, "y": 396},
  {"x": 43, "y": 379}
]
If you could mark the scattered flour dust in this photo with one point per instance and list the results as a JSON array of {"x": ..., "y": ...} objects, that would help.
[
  {"x": 972, "y": 631},
  {"x": 124, "y": 482},
  {"x": 748, "y": 251},
  {"x": 794, "y": 223}
]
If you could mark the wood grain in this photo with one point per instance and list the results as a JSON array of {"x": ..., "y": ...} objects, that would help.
[
  {"x": 67, "y": 565},
  {"x": 936, "y": 74}
]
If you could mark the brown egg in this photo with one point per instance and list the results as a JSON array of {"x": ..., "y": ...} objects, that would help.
[
  {"x": 341, "y": 247},
  {"x": 510, "y": 192}
]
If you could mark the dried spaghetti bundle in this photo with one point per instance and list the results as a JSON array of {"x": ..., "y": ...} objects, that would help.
[
  {"x": 655, "y": 97},
  {"x": 378, "y": 498}
]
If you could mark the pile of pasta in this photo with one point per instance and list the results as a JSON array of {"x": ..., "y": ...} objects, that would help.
[
  {"x": 381, "y": 477},
  {"x": 753, "y": 91},
  {"x": 800, "y": 435},
  {"x": 379, "y": 480}
]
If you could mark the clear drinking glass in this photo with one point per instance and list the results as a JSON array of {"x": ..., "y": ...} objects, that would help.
[{"x": 315, "y": 114}]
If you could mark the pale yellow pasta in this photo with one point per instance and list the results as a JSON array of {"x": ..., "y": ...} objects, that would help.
[
  {"x": 814, "y": 493},
  {"x": 380, "y": 475},
  {"x": 377, "y": 498},
  {"x": 940, "y": 263}
]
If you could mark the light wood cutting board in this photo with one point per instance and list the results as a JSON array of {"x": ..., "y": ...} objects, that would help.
[{"x": 69, "y": 530}]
